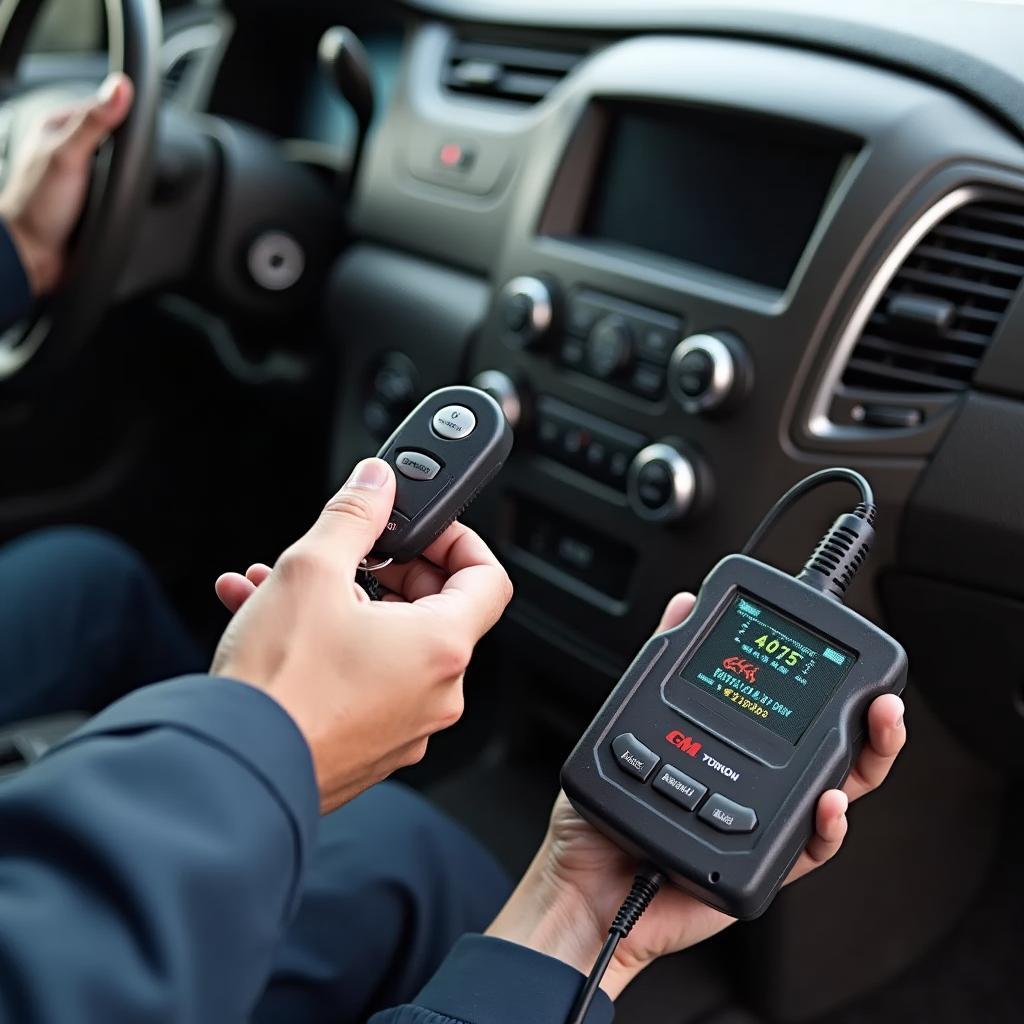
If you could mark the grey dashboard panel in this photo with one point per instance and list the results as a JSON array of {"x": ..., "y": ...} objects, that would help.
[
  {"x": 972, "y": 47},
  {"x": 919, "y": 143}
]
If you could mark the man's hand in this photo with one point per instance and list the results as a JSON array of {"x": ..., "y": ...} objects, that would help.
[
  {"x": 46, "y": 190},
  {"x": 367, "y": 683},
  {"x": 576, "y": 883}
]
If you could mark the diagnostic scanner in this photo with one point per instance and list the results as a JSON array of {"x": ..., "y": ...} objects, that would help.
[{"x": 709, "y": 756}]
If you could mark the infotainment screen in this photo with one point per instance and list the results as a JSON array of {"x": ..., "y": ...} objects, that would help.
[{"x": 724, "y": 190}]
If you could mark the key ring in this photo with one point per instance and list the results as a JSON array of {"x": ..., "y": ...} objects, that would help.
[{"x": 363, "y": 567}]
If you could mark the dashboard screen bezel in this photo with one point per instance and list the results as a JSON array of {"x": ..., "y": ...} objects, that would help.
[{"x": 578, "y": 180}]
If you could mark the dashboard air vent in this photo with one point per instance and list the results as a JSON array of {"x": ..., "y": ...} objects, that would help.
[
  {"x": 512, "y": 72},
  {"x": 932, "y": 326}
]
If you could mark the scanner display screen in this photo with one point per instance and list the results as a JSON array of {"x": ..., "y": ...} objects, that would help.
[{"x": 768, "y": 667}]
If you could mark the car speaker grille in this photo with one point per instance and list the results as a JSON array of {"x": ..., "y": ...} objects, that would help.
[
  {"x": 513, "y": 73},
  {"x": 933, "y": 325}
]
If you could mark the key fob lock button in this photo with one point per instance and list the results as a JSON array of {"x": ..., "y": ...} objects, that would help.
[{"x": 454, "y": 422}]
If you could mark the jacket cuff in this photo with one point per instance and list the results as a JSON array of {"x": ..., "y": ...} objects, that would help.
[
  {"x": 489, "y": 981},
  {"x": 242, "y": 721},
  {"x": 15, "y": 291}
]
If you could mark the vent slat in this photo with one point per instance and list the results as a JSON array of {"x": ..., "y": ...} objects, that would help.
[
  {"x": 914, "y": 379},
  {"x": 989, "y": 215},
  {"x": 961, "y": 284},
  {"x": 976, "y": 237},
  {"x": 514, "y": 74},
  {"x": 966, "y": 259},
  {"x": 920, "y": 354},
  {"x": 970, "y": 267}
]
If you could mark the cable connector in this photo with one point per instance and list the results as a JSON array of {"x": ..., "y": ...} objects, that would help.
[
  {"x": 645, "y": 888},
  {"x": 841, "y": 552}
]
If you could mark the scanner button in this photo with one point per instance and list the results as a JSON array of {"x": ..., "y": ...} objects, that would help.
[
  {"x": 633, "y": 757},
  {"x": 679, "y": 788},
  {"x": 726, "y": 816},
  {"x": 417, "y": 466},
  {"x": 454, "y": 422}
]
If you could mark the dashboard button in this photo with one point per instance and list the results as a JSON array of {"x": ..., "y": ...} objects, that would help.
[
  {"x": 417, "y": 466},
  {"x": 618, "y": 466},
  {"x": 633, "y": 757},
  {"x": 648, "y": 381},
  {"x": 656, "y": 344},
  {"x": 694, "y": 373},
  {"x": 609, "y": 347},
  {"x": 548, "y": 432},
  {"x": 454, "y": 422},
  {"x": 516, "y": 313},
  {"x": 679, "y": 788},
  {"x": 654, "y": 485},
  {"x": 662, "y": 484},
  {"x": 727, "y": 816},
  {"x": 526, "y": 311},
  {"x": 584, "y": 311},
  {"x": 710, "y": 372},
  {"x": 573, "y": 353}
]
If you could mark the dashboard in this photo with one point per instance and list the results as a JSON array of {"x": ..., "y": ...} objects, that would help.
[
  {"x": 696, "y": 267},
  {"x": 698, "y": 253}
]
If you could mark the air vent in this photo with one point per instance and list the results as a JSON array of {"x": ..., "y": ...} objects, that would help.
[
  {"x": 939, "y": 314},
  {"x": 514, "y": 73}
]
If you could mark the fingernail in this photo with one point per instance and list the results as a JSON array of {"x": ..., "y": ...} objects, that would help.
[
  {"x": 108, "y": 90},
  {"x": 370, "y": 474}
]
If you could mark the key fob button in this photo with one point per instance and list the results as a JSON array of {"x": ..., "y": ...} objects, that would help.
[
  {"x": 417, "y": 465},
  {"x": 454, "y": 422}
]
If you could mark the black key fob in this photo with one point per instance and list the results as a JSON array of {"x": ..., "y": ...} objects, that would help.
[{"x": 444, "y": 454}]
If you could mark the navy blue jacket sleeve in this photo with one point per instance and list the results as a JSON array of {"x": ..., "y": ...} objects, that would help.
[
  {"x": 15, "y": 293},
  {"x": 150, "y": 864},
  {"x": 488, "y": 981}
]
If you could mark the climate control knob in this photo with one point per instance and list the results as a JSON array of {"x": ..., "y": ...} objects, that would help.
[
  {"x": 609, "y": 347},
  {"x": 503, "y": 390},
  {"x": 662, "y": 484},
  {"x": 709, "y": 372},
  {"x": 526, "y": 311}
]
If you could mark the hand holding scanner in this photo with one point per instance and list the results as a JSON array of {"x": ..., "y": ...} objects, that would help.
[{"x": 708, "y": 758}]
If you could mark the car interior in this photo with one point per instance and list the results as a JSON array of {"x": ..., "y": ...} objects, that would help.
[{"x": 695, "y": 251}]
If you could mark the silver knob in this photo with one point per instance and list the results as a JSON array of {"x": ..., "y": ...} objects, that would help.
[
  {"x": 662, "y": 484},
  {"x": 527, "y": 310},
  {"x": 708, "y": 371},
  {"x": 503, "y": 390}
]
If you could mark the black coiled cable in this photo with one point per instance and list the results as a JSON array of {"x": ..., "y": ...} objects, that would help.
[{"x": 645, "y": 887}]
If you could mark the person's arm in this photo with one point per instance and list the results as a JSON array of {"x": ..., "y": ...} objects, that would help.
[
  {"x": 43, "y": 198},
  {"x": 149, "y": 865}
]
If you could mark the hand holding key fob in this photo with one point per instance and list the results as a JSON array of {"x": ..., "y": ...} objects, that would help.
[{"x": 447, "y": 450}]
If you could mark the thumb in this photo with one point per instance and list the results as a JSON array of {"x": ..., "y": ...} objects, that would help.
[
  {"x": 99, "y": 117},
  {"x": 356, "y": 516}
]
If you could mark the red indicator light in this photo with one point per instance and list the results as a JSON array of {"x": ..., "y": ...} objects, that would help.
[{"x": 451, "y": 154}]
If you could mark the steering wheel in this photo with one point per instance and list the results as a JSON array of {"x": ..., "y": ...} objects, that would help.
[{"x": 120, "y": 186}]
